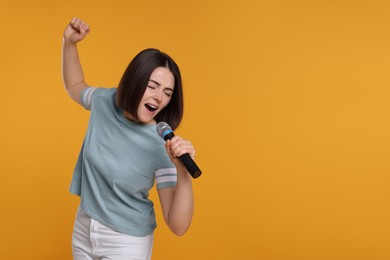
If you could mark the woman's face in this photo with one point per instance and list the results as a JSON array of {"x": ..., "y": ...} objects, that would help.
[{"x": 157, "y": 95}]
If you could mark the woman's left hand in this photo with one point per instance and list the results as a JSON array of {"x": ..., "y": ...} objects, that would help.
[{"x": 178, "y": 146}]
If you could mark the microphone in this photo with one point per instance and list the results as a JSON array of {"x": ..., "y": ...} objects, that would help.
[{"x": 165, "y": 131}]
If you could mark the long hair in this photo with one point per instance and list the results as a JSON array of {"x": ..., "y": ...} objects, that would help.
[{"x": 134, "y": 81}]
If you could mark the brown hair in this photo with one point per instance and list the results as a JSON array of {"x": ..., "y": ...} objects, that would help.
[{"x": 134, "y": 81}]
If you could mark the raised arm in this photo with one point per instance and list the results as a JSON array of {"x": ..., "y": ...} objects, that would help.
[
  {"x": 178, "y": 203},
  {"x": 72, "y": 72}
]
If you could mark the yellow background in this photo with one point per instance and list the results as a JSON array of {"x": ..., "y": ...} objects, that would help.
[{"x": 287, "y": 103}]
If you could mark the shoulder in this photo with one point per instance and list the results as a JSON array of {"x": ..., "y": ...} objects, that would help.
[{"x": 90, "y": 94}]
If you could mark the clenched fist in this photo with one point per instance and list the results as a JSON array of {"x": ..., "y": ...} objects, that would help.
[{"x": 76, "y": 30}]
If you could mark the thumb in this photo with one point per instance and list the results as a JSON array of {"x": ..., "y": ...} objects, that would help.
[{"x": 168, "y": 147}]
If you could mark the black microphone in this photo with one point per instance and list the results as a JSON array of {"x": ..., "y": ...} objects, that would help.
[{"x": 165, "y": 131}]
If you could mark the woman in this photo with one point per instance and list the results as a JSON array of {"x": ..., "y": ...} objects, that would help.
[{"x": 122, "y": 155}]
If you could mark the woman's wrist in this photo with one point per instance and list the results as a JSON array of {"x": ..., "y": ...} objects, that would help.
[
  {"x": 68, "y": 43},
  {"x": 183, "y": 175}
]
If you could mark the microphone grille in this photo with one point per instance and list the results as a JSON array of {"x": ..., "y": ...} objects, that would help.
[{"x": 162, "y": 127}]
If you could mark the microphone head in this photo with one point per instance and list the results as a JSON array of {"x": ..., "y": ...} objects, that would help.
[{"x": 163, "y": 128}]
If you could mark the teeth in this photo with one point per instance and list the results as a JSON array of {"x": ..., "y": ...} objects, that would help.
[{"x": 151, "y": 107}]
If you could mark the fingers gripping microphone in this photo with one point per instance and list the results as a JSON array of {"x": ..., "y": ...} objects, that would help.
[{"x": 165, "y": 131}]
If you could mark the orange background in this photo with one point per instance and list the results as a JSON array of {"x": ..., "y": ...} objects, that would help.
[{"x": 287, "y": 103}]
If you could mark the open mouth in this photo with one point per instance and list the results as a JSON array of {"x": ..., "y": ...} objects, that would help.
[{"x": 151, "y": 107}]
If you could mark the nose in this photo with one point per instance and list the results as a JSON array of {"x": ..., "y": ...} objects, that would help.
[{"x": 157, "y": 96}]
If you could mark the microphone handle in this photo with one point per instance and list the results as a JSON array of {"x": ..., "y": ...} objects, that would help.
[
  {"x": 186, "y": 159},
  {"x": 190, "y": 165}
]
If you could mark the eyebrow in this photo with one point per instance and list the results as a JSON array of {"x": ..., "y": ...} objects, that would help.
[
  {"x": 158, "y": 84},
  {"x": 155, "y": 82}
]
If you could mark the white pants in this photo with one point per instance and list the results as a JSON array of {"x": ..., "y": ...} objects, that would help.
[{"x": 92, "y": 241}]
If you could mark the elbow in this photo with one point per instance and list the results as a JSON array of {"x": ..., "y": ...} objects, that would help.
[
  {"x": 180, "y": 231},
  {"x": 179, "y": 222}
]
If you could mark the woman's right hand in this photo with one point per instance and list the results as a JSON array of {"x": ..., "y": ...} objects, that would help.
[{"x": 75, "y": 31}]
